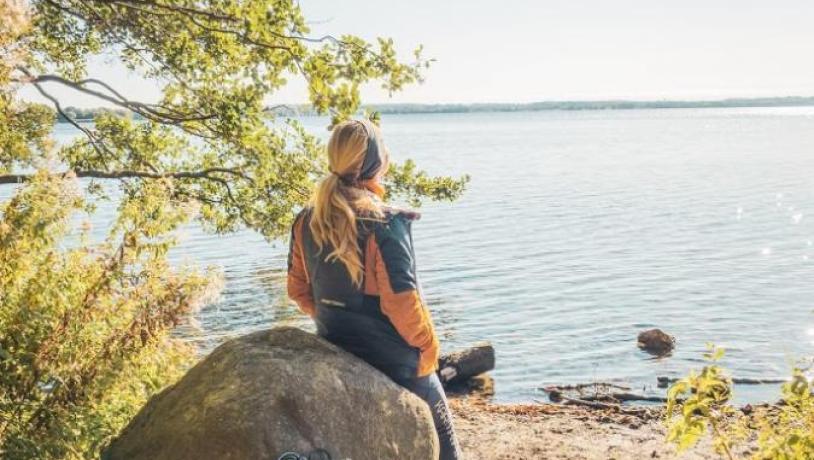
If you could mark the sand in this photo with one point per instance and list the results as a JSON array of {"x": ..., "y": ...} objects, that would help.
[{"x": 552, "y": 431}]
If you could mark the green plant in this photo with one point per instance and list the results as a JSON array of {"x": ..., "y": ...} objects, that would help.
[
  {"x": 702, "y": 398},
  {"x": 84, "y": 330},
  {"x": 84, "y": 326},
  {"x": 698, "y": 405},
  {"x": 788, "y": 433}
]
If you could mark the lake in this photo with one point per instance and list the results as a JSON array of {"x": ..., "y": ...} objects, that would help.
[{"x": 580, "y": 229}]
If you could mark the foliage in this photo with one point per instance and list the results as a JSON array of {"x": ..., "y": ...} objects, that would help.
[
  {"x": 218, "y": 64},
  {"x": 84, "y": 330},
  {"x": 84, "y": 325},
  {"x": 703, "y": 406},
  {"x": 789, "y": 434},
  {"x": 782, "y": 432},
  {"x": 407, "y": 180}
]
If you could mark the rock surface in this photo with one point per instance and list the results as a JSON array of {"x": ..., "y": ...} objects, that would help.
[
  {"x": 656, "y": 341},
  {"x": 279, "y": 390}
]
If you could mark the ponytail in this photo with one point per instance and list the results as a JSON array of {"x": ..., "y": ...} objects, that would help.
[
  {"x": 333, "y": 225},
  {"x": 357, "y": 160}
]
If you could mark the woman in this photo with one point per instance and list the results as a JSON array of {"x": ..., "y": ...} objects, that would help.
[{"x": 351, "y": 267}]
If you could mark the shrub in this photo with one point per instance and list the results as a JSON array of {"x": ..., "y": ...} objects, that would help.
[
  {"x": 85, "y": 330},
  {"x": 698, "y": 405}
]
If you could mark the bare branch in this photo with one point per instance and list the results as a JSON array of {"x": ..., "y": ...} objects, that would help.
[
  {"x": 129, "y": 174},
  {"x": 101, "y": 150},
  {"x": 145, "y": 110}
]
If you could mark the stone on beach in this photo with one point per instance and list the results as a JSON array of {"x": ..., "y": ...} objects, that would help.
[
  {"x": 656, "y": 341},
  {"x": 279, "y": 390}
]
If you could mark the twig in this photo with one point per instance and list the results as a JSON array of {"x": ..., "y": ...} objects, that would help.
[
  {"x": 625, "y": 397},
  {"x": 583, "y": 386},
  {"x": 125, "y": 174}
]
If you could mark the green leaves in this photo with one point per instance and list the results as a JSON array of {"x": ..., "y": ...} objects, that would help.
[
  {"x": 85, "y": 326},
  {"x": 24, "y": 132},
  {"x": 783, "y": 432},
  {"x": 702, "y": 399},
  {"x": 218, "y": 63},
  {"x": 408, "y": 182},
  {"x": 790, "y": 434}
]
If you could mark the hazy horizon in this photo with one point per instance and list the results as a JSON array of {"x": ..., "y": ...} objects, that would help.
[{"x": 525, "y": 51}]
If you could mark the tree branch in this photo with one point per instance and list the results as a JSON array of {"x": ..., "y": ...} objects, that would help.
[
  {"x": 192, "y": 13},
  {"x": 100, "y": 149},
  {"x": 129, "y": 174},
  {"x": 117, "y": 99},
  {"x": 179, "y": 9}
]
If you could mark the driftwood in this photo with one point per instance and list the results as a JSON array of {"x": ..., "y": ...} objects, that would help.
[
  {"x": 460, "y": 366},
  {"x": 617, "y": 408},
  {"x": 597, "y": 400},
  {"x": 586, "y": 403},
  {"x": 637, "y": 397},
  {"x": 664, "y": 382},
  {"x": 625, "y": 397},
  {"x": 583, "y": 386}
]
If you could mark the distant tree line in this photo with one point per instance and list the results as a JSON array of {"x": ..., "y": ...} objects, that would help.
[
  {"x": 88, "y": 114},
  {"x": 306, "y": 110},
  {"x": 591, "y": 105}
]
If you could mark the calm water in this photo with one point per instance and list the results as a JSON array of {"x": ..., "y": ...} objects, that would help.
[{"x": 580, "y": 229}]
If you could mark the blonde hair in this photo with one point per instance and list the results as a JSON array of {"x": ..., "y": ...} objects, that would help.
[{"x": 336, "y": 202}]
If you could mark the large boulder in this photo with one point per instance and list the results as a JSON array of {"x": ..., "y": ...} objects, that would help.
[{"x": 279, "y": 390}]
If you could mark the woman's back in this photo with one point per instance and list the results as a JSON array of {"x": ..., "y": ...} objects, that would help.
[{"x": 354, "y": 316}]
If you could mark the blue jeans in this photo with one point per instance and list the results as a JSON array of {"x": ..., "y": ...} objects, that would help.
[{"x": 430, "y": 390}]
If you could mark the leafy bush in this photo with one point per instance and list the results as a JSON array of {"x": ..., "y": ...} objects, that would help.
[
  {"x": 85, "y": 330},
  {"x": 699, "y": 405}
]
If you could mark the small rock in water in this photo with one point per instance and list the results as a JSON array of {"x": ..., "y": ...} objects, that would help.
[
  {"x": 656, "y": 341},
  {"x": 664, "y": 382}
]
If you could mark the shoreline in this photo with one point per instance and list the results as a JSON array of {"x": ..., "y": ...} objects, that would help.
[{"x": 551, "y": 431}]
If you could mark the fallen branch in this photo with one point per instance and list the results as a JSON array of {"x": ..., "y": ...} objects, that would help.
[
  {"x": 582, "y": 386},
  {"x": 556, "y": 393},
  {"x": 592, "y": 404},
  {"x": 664, "y": 382},
  {"x": 125, "y": 174},
  {"x": 625, "y": 397}
]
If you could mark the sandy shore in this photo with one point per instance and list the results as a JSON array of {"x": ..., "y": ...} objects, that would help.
[{"x": 549, "y": 431}]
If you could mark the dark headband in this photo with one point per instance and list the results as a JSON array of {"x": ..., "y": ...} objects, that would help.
[
  {"x": 372, "y": 162},
  {"x": 373, "y": 158}
]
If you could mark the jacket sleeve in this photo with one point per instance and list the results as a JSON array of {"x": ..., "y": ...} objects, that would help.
[
  {"x": 400, "y": 298},
  {"x": 298, "y": 284}
]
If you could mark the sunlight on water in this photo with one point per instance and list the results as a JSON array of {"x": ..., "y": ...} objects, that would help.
[{"x": 579, "y": 230}]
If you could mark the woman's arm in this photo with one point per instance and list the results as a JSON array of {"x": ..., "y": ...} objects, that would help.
[
  {"x": 400, "y": 298},
  {"x": 298, "y": 284}
]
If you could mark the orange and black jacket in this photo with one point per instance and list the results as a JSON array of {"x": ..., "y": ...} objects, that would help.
[{"x": 384, "y": 321}]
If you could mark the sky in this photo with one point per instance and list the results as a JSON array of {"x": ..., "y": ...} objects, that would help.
[{"x": 526, "y": 50}]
